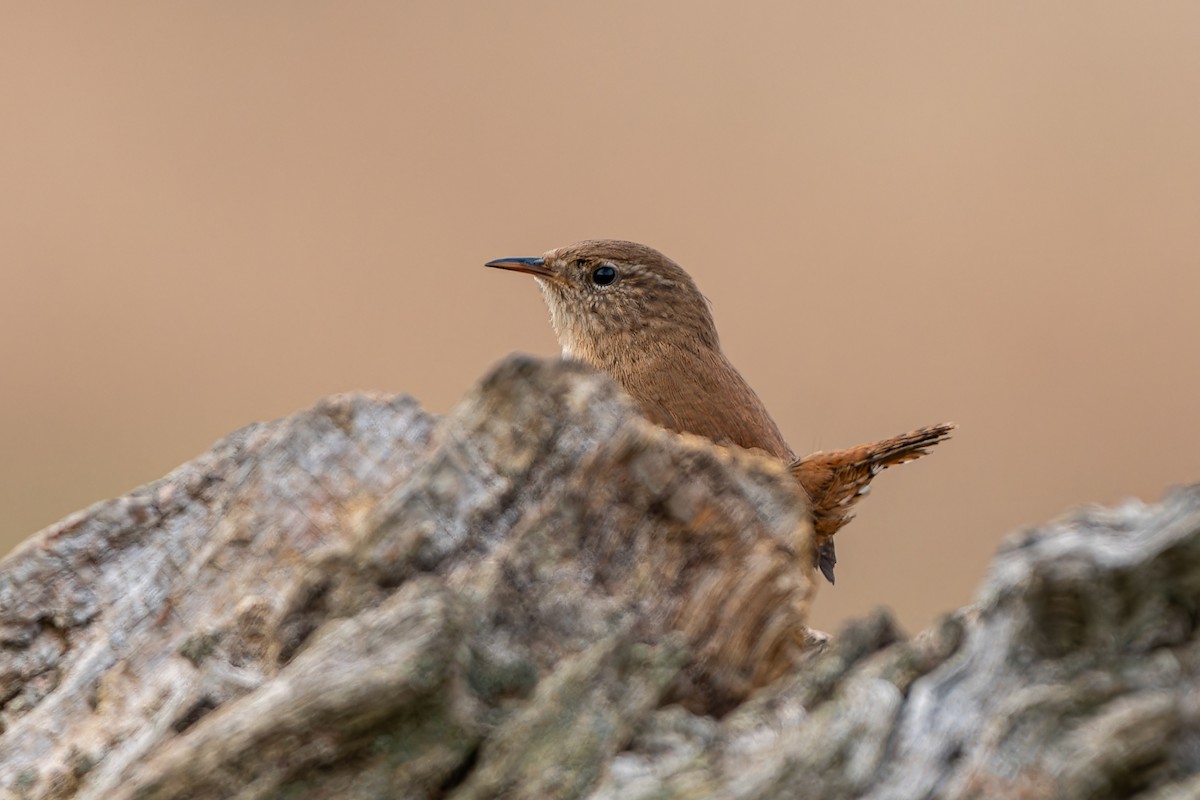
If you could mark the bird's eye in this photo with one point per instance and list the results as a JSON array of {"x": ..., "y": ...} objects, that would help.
[{"x": 603, "y": 276}]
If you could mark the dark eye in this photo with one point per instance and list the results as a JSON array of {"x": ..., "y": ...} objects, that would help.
[{"x": 603, "y": 276}]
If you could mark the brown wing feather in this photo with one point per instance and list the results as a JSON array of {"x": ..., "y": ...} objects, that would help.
[
  {"x": 835, "y": 481},
  {"x": 726, "y": 410},
  {"x": 722, "y": 408}
]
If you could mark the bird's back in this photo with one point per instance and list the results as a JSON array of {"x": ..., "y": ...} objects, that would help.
[{"x": 700, "y": 392}]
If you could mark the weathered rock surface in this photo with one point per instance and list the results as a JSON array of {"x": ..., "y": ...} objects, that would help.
[{"x": 542, "y": 595}]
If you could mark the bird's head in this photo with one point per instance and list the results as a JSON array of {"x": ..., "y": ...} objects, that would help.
[{"x": 607, "y": 295}]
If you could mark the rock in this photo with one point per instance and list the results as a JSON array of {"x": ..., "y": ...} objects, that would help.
[
  {"x": 360, "y": 599},
  {"x": 542, "y": 595},
  {"x": 1075, "y": 675}
]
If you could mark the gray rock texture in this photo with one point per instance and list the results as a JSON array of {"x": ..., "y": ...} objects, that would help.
[{"x": 542, "y": 595}]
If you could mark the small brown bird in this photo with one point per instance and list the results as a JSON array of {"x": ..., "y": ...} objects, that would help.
[{"x": 627, "y": 309}]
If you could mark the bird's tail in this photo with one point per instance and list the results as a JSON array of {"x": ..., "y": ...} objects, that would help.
[{"x": 835, "y": 481}]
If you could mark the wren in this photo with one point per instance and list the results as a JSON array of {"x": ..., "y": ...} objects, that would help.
[{"x": 630, "y": 311}]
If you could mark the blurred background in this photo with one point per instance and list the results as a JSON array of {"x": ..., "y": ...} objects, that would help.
[{"x": 214, "y": 213}]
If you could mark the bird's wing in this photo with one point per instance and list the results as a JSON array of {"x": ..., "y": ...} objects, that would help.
[{"x": 706, "y": 396}]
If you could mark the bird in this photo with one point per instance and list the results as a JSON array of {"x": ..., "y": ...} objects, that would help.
[{"x": 626, "y": 309}]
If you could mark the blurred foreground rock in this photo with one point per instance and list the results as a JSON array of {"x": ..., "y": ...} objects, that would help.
[{"x": 541, "y": 596}]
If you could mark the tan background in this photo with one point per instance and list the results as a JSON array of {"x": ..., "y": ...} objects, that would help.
[{"x": 212, "y": 213}]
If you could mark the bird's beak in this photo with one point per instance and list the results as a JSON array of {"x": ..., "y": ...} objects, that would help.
[{"x": 534, "y": 266}]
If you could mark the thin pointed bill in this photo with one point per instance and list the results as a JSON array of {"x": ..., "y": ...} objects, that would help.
[{"x": 533, "y": 266}]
